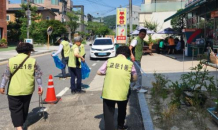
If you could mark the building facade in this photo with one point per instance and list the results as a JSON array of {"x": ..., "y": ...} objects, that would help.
[
  {"x": 59, "y": 7},
  {"x": 135, "y": 14},
  {"x": 46, "y": 14},
  {"x": 3, "y": 22},
  {"x": 157, "y": 11}
]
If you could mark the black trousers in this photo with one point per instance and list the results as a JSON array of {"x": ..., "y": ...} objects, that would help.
[
  {"x": 19, "y": 107},
  {"x": 109, "y": 109},
  {"x": 75, "y": 73}
]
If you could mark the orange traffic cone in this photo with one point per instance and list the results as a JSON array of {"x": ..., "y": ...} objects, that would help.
[{"x": 50, "y": 95}]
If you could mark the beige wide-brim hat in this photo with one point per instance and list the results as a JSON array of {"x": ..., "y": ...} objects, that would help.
[{"x": 57, "y": 39}]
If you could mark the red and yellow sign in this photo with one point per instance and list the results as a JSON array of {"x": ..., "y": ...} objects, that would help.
[
  {"x": 214, "y": 14},
  {"x": 121, "y": 16},
  {"x": 121, "y": 28}
]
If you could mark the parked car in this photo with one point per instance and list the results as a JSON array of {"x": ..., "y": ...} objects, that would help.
[{"x": 102, "y": 48}]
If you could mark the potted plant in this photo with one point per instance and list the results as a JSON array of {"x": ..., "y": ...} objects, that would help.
[{"x": 3, "y": 43}]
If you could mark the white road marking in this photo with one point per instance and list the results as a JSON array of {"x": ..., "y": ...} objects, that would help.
[
  {"x": 94, "y": 64},
  {"x": 62, "y": 92}
]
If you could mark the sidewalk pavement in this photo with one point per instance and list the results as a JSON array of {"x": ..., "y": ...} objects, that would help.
[
  {"x": 5, "y": 55},
  {"x": 172, "y": 68}
]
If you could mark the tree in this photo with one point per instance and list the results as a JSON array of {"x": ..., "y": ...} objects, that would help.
[
  {"x": 73, "y": 22},
  {"x": 59, "y": 29},
  {"x": 34, "y": 17},
  {"x": 98, "y": 28},
  {"x": 151, "y": 25},
  {"x": 176, "y": 22},
  {"x": 110, "y": 21}
]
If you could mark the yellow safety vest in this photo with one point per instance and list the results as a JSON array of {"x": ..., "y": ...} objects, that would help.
[
  {"x": 66, "y": 48},
  {"x": 83, "y": 52},
  {"x": 117, "y": 79},
  {"x": 72, "y": 57},
  {"x": 23, "y": 81}
]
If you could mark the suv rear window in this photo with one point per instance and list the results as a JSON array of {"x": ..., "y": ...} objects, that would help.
[{"x": 103, "y": 42}]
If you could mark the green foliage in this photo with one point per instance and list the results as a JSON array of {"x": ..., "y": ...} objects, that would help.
[
  {"x": 191, "y": 85},
  {"x": 98, "y": 28},
  {"x": 110, "y": 21},
  {"x": 59, "y": 29},
  {"x": 38, "y": 30},
  {"x": 84, "y": 42},
  {"x": 3, "y": 40},
  {"x": 177, "y": 90},
  {"x": 73, "y": 22},
  {"x": 160, "y": 86},
  {"x": 34, "y": 17},
  {"x": 199, "y": 78},
  {"x": 176, "y": 21},
  {"x": 151, "y": 25}
]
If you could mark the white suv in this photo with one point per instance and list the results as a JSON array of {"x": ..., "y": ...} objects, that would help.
[{"x": 102, "y": 48}]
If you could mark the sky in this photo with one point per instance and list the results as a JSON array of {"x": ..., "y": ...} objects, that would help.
[{"x": 100, "y": 8}]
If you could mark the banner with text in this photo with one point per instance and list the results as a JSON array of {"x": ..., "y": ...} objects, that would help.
[{"x": 121, "y": 26}]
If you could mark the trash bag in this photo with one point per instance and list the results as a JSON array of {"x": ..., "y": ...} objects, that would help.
[
  {"x": 58, "y": 62},
  {"x": 85, "y": 70}
]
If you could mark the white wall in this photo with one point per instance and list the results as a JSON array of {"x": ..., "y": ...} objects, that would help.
[{"x": 158, "y": 17}]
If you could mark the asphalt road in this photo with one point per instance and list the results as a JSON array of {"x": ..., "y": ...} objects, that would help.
[{"x": 70, "y": 105}]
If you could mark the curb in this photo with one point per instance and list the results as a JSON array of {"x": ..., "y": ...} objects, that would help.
[{"x": 146, "y": 117}]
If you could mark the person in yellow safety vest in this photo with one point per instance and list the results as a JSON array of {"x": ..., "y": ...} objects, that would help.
[
  {"x": 74, "y": 63},
  {"x": 83, "y": 51},
  {"x": 118, "y": 71},
  {"x": 64, "y": 48},
  {"x": 22, "y": 84}
]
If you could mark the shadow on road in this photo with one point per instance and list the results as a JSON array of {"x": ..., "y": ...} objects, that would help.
[{"x": 34, "y": 116}]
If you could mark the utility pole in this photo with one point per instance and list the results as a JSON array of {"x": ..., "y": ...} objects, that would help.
[
  {"x": 130, "y": 15},
  {"x": 63, "y": 11},
  {"x": 28, "y": 13}
]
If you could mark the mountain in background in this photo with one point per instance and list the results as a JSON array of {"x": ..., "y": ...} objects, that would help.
[{"x": 110, "y": 21}]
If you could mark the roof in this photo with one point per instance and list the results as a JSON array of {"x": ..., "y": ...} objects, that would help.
[{"x": 186, "y": 10}]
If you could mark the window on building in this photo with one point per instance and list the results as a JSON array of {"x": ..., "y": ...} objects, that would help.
[
  {"x": 8, "y": 17},
  {"x": 55, "y": 2},
  {"x": 47, "y": 18},
  {"x": 1, "y": 33},
  {"x": 38, "y": 1}
]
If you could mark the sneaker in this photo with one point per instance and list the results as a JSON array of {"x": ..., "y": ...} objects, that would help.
[
  {"x": 81, "y": 91},
  {"x": 124, "y": 127},
  {"x": 134, "y": 88},
  {"x": 73, "y": 92},
  {"x": 142, "y": 90}
]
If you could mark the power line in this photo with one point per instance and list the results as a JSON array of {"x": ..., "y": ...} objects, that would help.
[{"x": 100, "y": 4}]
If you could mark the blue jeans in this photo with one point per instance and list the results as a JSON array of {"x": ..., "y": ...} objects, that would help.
[
  {"x": 75, "y": 73},
  {"x": 137, "y": 65},
  {"x": 65, "y": 62}
]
